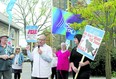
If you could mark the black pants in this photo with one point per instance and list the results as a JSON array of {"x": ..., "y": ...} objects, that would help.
[
  {"x": 61, "y": 74},
  {"x": 54, "y": 73},
  {"x": 38, "y": 78},
  {"x": 17, "y": 75},
  {"x": 82, "y": 75}
]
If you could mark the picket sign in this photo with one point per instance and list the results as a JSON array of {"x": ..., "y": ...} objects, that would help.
[
  {"x": 79, "y": 67},
  {"x": 31, "y": 33},
  {"x": 90, "y": 43}
]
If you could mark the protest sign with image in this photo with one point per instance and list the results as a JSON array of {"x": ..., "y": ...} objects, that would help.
[
  {"x": 90, "y": 41},
  {"x": 31, "y": 33}
]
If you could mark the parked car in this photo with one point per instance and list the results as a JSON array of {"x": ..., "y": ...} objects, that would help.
[{"x": 26, "y": 59}]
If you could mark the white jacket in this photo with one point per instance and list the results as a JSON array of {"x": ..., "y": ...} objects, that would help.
[{"x": 41, "y": 63}]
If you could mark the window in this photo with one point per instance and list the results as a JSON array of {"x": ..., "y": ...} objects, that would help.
[{"x": 12, "y": 34}]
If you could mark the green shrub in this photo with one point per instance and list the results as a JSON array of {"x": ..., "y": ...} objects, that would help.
[
  {"x": 113, "y": 73},
  {"x": 98, "y": 66}
]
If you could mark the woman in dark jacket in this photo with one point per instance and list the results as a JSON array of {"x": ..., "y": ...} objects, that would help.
[{"x": 75, "y": 59}]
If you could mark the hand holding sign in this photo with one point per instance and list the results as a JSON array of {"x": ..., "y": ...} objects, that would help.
[{"x": 75, "y": 69}]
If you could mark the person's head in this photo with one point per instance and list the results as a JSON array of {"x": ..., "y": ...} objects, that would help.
[
  {"x": 77, "y": 38},
  {"x": 42, "y": 40},
  {"x": 4, "y": 39},
  {"x": 17, "y": 50},
  {"x": 63, "y": 46}
]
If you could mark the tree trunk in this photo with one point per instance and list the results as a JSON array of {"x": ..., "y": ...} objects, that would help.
[
  {"x": 108, "y": 63},
  {"x": 109, "y": 45}
]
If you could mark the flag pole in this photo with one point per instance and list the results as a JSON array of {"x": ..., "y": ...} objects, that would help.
[{"x": 9, "y": 29}]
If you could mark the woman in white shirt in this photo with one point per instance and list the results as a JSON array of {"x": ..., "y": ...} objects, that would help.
[{"x": 17, "y": 63}]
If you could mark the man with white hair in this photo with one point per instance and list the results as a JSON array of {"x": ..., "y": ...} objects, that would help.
[
  {"x": 42, "y": 57},
  {"x": 6, "y": 56}
]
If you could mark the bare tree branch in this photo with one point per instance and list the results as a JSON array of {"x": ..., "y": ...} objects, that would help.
[
  {"x": 26, "y": 13},
  {"x": 19, "y": 22},
  {"x": 45, "y": 19}
]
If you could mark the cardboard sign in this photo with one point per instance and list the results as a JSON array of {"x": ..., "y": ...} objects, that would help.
[
  {"x": 90, "y": 41},
  {"x": 31, "y": 33}
]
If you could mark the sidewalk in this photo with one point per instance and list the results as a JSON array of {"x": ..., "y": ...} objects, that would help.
[{"x": 26, "y": 72}]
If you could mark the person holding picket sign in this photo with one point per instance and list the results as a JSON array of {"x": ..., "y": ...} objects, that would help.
[{"x": 75, "y": 59}]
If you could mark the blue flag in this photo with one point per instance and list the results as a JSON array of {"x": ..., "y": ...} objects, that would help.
[
  {"x": 70, "y": 33},
  {"x": 9, "y": 9},
  {"x": 60, "y": 18}
]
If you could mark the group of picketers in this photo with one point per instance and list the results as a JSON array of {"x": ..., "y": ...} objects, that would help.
[{"x": 47, "y": 62}]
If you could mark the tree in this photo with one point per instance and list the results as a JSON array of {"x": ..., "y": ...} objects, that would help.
[
  {"x": 32, "y": 12},
  {"x": 48, "y": 35},
  {"x": 51, "y": 39},
  {"x": 101, "y": 14}
]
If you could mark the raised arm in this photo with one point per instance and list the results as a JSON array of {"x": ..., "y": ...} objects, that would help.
[{"x": 29, "y": 54}]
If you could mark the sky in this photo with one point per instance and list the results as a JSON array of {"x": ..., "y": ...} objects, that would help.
[{"x": 2, "y": 7}]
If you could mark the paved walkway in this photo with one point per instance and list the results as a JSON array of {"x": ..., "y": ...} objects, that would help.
[{"x": 26, "y": 74}]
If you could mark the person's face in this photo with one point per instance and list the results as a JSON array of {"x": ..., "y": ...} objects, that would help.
[
  {"x": 4, "y": 40},
  {"x": 41, "y": 41},
  {"x": 76, "y": 41},
  {"x": 17, "y": 50},
  {"x": 63, "y": 47}
]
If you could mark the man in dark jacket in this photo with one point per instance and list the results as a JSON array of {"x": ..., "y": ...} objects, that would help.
[{"x": 6, "y": 56}]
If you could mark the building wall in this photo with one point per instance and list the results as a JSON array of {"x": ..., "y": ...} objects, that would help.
[
  {"x": 59, "y": 38},
  {"x": 62, "y": 4},
  {"x": 14, "y": 32}
]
